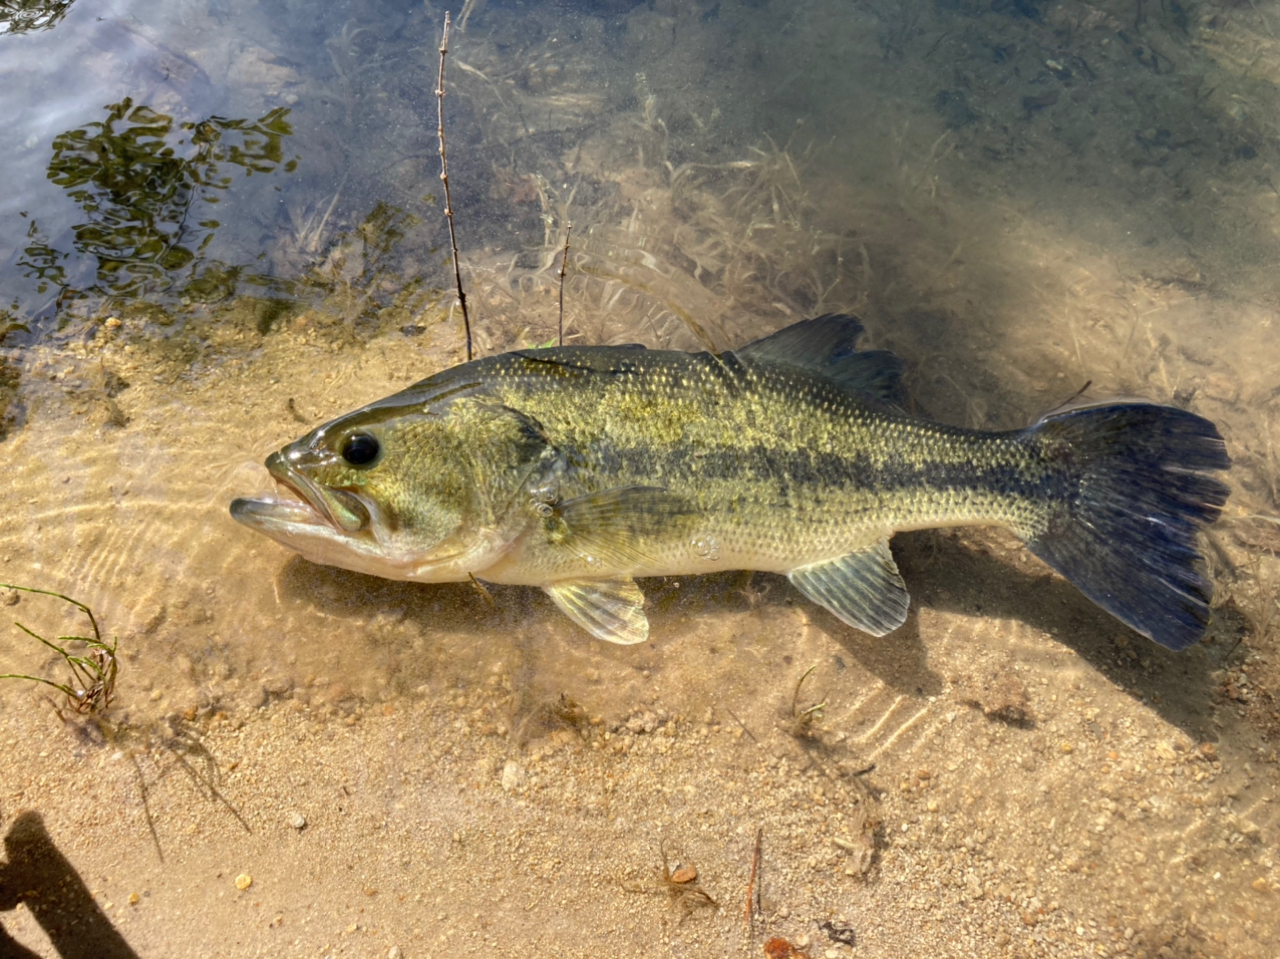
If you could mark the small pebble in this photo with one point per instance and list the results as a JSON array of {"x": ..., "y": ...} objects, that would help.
[
  {"x": 394, "y": 952},
  {"x": 684, "y": 874},
  {"x": 244, "y": 881},
  {"x": 512, "y": 775},
  {"x": 297, "y": 820}
]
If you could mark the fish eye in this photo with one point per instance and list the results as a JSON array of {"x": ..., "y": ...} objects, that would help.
[{"x": 360, "y": 449}]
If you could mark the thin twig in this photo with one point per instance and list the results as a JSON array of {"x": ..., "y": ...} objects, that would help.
[
  {"x": 564, "y": 263},
  {"x": 488, "y": 596},
  {"x": 444, "y": 178},
  {"x": 795, "y": 696},
  {"x": 753, "y": 894},
  {"x": 742, "y": 724}
]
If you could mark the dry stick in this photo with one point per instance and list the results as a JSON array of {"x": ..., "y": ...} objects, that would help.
[
  {"x": 753, "y": 894},
  {"x": 564, "y": 263},
  {"x": 444, "y": 178}
]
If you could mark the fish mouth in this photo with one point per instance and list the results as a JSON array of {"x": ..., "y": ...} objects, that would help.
[{"x": 301, "y": 504}]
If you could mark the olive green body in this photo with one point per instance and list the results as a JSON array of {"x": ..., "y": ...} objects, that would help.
[{"x": 780, "y": 467}]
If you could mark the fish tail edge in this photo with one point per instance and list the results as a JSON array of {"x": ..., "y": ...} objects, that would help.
[{"x": 1138, "y": 492}]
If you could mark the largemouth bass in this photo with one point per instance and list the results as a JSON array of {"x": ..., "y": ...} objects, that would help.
[{"x": 578, "y": 469}]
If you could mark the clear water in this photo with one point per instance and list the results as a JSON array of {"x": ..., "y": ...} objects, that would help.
[{"x": 222, "y": 224}]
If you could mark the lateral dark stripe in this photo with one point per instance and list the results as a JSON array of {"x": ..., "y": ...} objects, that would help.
[{"x": 789, "y": 471}]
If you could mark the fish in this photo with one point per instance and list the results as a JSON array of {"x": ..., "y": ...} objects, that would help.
[{"x": 579, "y": 469}]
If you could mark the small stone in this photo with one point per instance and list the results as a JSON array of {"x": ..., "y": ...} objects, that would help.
[
  {"x": 394, "y": 952},
  {"x": 297, "y": 820},
  {"x": 512, "y": 775},
  {"x": 684, "y": 874},
  {"x": 1261, "y": 884},
  {"x": 244, "y": 881},
  {"x": 134, "y": 899},
  {"x": 1067, "y": 748}
]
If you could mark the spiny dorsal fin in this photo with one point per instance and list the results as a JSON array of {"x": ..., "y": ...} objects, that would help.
[
  {"x": 609, "y": 609},
  {"x": 864, "y": 589},
  {"x": 827, "y": 345}
]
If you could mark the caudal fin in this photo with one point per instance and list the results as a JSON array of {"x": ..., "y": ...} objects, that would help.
[{"x": 1122, "y": 527}]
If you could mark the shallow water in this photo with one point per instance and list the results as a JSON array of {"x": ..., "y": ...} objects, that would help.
[{"x": 1018, "y": 198}]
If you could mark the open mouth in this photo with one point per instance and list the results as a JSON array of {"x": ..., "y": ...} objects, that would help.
[
  {"x": 295, "y": 503},
  {"x": 289, "y": 508}
]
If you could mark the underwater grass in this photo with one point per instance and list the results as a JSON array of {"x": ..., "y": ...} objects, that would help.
[{"x": 93, "y": 675}]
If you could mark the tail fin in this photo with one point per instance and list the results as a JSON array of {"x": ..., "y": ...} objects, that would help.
[{"x": 1122, "y": 525}]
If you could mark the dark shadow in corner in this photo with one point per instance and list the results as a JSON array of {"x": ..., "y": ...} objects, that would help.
[{"x": 39, "y": 876}]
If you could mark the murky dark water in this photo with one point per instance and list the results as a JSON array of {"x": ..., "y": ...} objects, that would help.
[{"x": 221, "y": 224}]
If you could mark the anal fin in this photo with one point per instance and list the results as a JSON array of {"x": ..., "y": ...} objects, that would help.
[
  {"x": 609, "y": 609},
  {"x": 863, "y": 589}
]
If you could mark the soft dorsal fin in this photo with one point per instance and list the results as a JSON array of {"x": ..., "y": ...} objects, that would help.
[{"x": 827, "y": 345}]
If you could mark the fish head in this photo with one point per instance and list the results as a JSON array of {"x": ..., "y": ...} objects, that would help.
[{"x": 391, "y": 490}]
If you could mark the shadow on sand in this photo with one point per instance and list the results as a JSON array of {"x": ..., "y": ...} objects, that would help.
[{"x": 40, "y": 877}]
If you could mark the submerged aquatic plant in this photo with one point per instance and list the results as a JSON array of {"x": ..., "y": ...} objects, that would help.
[{"x": 93, "y": 675}]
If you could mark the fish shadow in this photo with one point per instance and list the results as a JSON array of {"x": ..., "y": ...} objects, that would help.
[
  {"x": 969, "y": 576},
  {"x": 460, "y": 607},
  {"x": 947, "y": 573},
  {"x": 942, "y": 571}
]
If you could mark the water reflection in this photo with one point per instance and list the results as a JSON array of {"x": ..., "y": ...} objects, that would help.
[
  {"x": 146, "y": 197},
  {"x": 22, "y": 16}
]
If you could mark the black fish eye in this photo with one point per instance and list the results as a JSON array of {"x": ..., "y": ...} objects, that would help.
[{"x": 360, "y": 449}]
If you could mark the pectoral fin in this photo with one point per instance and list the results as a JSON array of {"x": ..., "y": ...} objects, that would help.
[
  {"x": 618, "y": 527},
  {"x": 610, "y": 609},
  {"x": 864, "y": 589}
]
